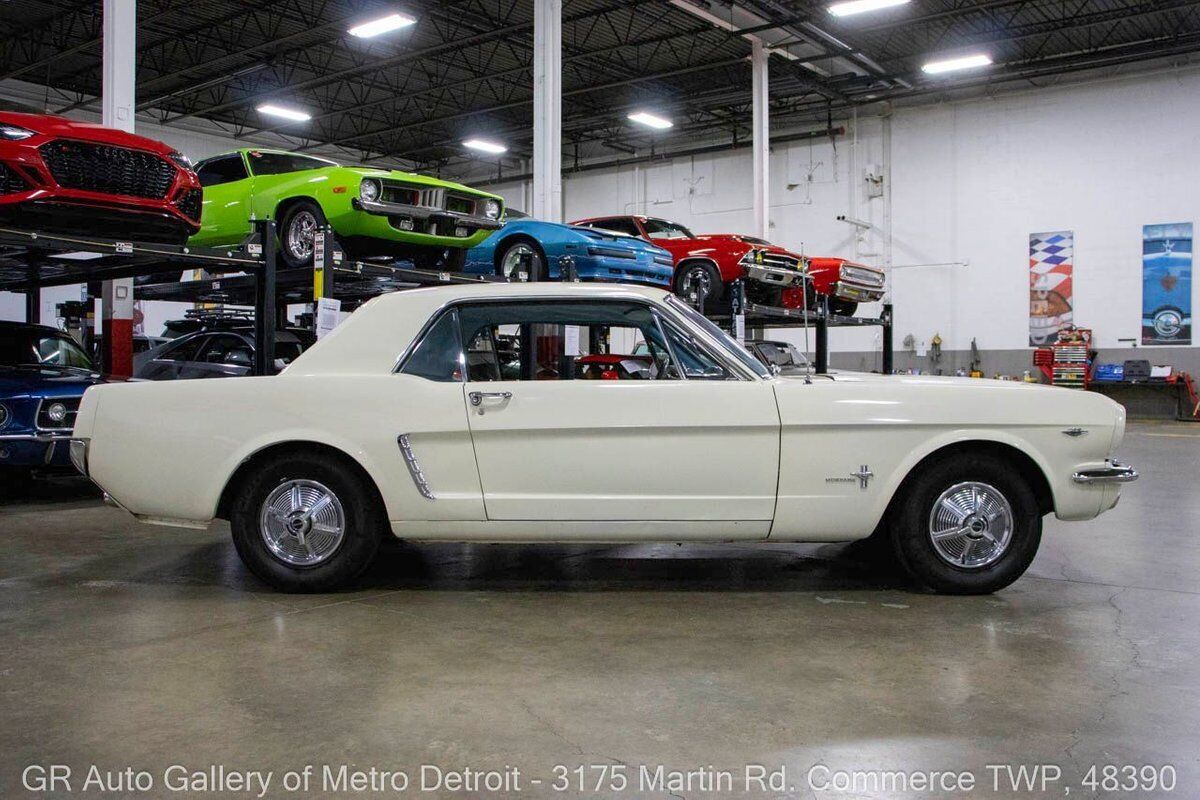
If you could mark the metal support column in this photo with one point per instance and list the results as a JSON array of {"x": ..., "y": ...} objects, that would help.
[
  {"x": 33, "y": 297},
  {"x": 761, "y": 144},
  {"x": 264, "y": 302},
  {"x": 888, "y": 353},
  {"x": 822, "y": 353},
  {"x": 547, "y": 110},
  {"x": 117, "y": 105}
]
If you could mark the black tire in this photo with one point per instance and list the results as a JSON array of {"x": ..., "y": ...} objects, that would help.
[
  {"x": 298, "y": 214},
  {"x": 911, "y": 525},
  {"x": 843, "y": 308},
  {"x": 365, "y": 522},
  {"x": 538, "y": 267},
  {"x": 690, "y": 272}
]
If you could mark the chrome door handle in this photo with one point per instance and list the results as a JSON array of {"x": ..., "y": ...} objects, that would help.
[{"x": 477, "y": 398}]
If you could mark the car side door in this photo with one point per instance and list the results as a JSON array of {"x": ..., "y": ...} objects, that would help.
[
  {"x": 693, "y": 444},
  {"x": 228, "y": 191}
]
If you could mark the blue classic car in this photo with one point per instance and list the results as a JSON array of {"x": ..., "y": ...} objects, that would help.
[
  {"x": 43, "y": 374},
  {"x": 1167, "y": 286},
  {"x": 598, "y": 255}
]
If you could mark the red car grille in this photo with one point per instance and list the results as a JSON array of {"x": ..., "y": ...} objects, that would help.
[
  {"x": 10, "y": 181},
  {"x": 106, "y": 169},
  {"x": 190, "y": 204}
]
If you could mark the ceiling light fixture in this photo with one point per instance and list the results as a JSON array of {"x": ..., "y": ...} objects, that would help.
[
  {"x": 862, "y": 6},
  {"x": 483, "y": 145},
  {"x": 292, "y": 114},
  {"x": 378, "y": 27},
  {"x": 955, "y": 64},
  {"x": 650, "y": 120}
]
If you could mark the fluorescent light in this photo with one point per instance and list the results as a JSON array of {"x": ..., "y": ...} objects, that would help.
[
  {"x": 650, "y": 120},
  {"x": 953, "y": 64},
  {"x": 485, "y": 146},
  {"x": 378, "y": 27},
  {"x": 293, "y": 114},
  {"x": 862, "y": 6}
]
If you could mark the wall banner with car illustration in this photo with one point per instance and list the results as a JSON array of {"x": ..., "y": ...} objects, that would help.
[
  {"x": 1167, "y": 283},
  {"x": 1051, "y": 300}
]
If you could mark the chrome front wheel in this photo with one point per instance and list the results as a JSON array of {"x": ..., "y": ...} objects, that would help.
[
  {"x": 971, "y": 525},
  {"x": 300, "y": 234},
  {"x": 520, "y": 257},
  {"x": 302, "y": 523}
]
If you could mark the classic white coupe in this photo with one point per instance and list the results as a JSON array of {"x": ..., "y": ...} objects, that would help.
[{"x": 462, "y": 413}]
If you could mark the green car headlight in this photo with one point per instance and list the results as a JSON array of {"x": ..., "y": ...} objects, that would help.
[
  {"x": 369, "y": 190},
  {"x": 492, "y": 209}
]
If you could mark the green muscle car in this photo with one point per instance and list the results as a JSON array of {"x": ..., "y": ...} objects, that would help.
[{"x": 373, "y": 212}]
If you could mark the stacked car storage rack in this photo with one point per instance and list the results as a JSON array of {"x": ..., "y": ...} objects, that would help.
[
  {"x": 246, "y": 275},
  {"x": 755, "y": 316}
]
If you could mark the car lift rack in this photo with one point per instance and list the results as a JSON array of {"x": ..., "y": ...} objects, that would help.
[
  {"x": 756, "y": 316},
  {"x": 31, "y": 260}
]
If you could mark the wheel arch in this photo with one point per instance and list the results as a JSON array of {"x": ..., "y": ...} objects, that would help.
[
  {"x": 285, "y": 204},
  {"x": 1019, "y": 458},
  {"x": 294, "y": 446},
  {"x": 686, "y": 260},
  {"x": 513, "y": 238}
]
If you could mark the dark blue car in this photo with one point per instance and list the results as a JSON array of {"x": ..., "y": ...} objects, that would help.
[
  {"x": 43, "y": 374},
  {"x": 598, "y": 255}
]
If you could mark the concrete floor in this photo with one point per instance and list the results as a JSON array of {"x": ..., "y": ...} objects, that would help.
[{"x": 133, "y": 646}]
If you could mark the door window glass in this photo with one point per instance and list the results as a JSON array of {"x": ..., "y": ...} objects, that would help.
[
  {"x": 186, "y": 350},
  {"x": 439, "y": 356},
  {"x": 697, "y": 362},
  {"x": 227, "y": 349},
  {"x": 268, "y": 163},
  {"x": 221, "y": 170},
  {"x": 564, "y": 341}
]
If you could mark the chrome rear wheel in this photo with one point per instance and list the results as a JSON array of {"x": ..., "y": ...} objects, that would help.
[{"x": 302, "y": 523}]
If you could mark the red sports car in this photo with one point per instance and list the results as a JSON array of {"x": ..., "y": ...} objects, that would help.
[
  {"x": 73, "y": 177},
  {"x": 713, "y": 261},
  {"x": 846, "y": 283}
]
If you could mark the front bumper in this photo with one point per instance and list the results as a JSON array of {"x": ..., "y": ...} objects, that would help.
[
  {"x": 426, "y": 214},
  {"x": 41, "y": 449},
  {"x": 774, "y": 276},
  {"x": 858, "y": 292},
  {"x": 1111, "y": 472}
]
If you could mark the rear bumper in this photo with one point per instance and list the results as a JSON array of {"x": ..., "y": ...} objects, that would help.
[
  {"x": 627, "y": 270},
  {"x": 1111, "y": 472}
]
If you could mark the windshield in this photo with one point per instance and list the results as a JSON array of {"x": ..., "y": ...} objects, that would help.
[
  {"x": 266, "y": 163},
  {"x": 732, "y": 346},
  {"x": 783, "y": 355},
  {"x": 42, "y": 349},
  {"x": 661, "y": 229}
]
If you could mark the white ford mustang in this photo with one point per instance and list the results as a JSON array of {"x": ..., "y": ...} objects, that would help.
[{"x": 466, "y": 414}]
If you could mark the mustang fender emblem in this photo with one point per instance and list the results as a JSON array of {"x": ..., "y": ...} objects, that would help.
[
  {"x": 1075, "y": 433},
  {"x": 863, "y": 476}
]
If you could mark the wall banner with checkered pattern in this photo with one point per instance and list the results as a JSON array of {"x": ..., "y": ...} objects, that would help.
[{"x": 1051, "y": 298}]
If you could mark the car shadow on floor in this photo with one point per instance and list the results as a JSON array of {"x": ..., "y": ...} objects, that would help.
[{"x": 635, "y": 567}]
